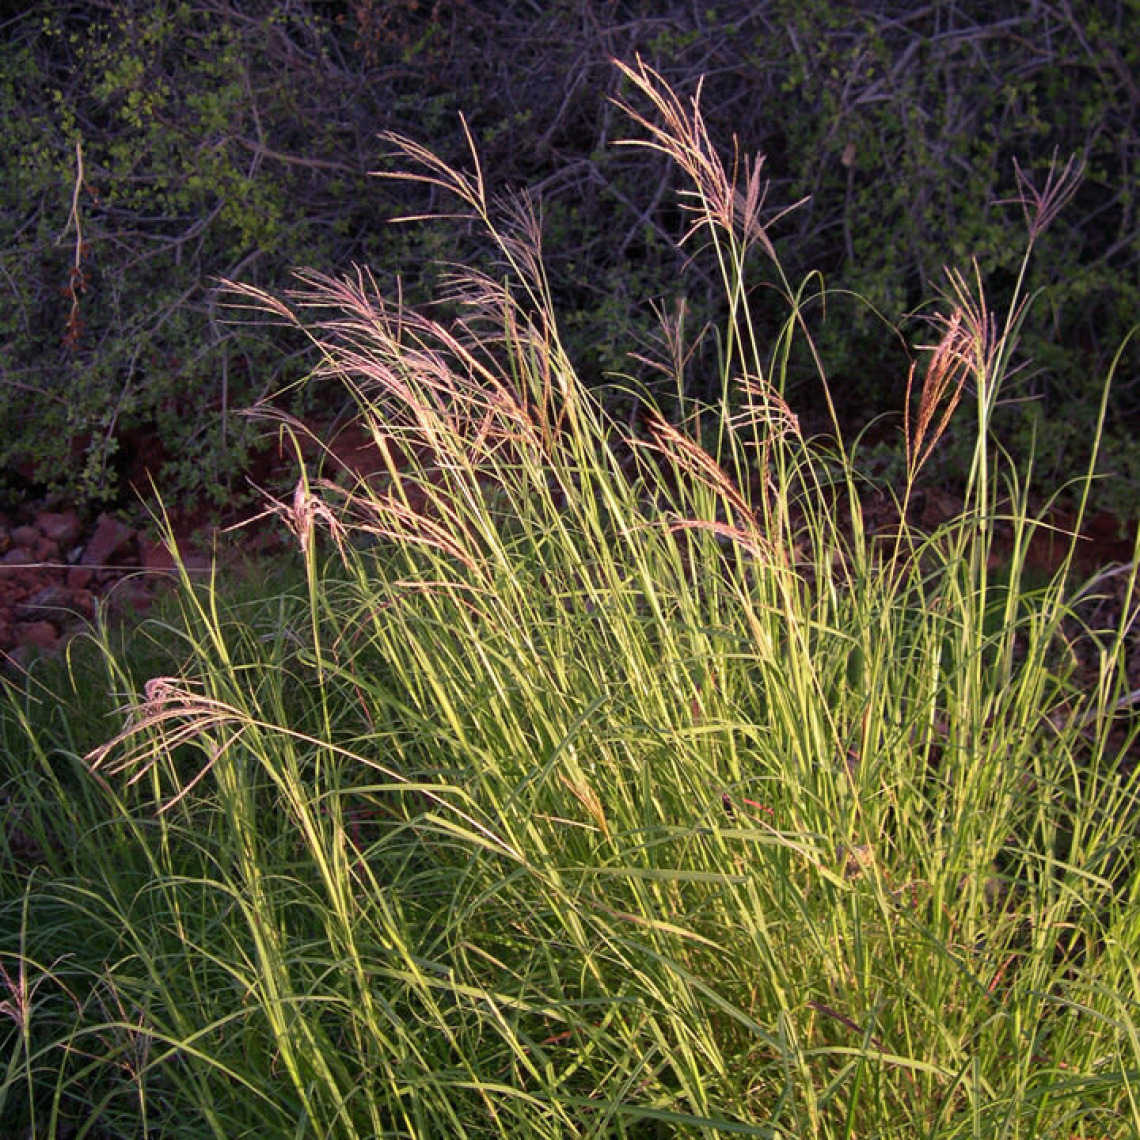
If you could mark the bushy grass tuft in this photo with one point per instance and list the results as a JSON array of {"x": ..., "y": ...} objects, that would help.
[{"x": 594, "y": 779}]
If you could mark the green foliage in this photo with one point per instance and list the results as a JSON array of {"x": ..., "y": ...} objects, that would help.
[
  {"x": 158, "y": 146},
  {"x": 905, "y": 124},
  {"x": 223, "y": 139}
]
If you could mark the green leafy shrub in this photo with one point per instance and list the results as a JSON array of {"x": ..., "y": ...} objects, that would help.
[
  {"x": 158, "y": 147},
  {"x": 225, "y": 139},
  {"x": 911, "y": 128}
]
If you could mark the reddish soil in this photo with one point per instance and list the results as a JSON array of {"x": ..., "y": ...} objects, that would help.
[{"x": 58, "y": 570}]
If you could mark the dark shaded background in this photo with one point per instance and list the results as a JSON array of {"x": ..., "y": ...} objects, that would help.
[{"x": 155, "y": 147}]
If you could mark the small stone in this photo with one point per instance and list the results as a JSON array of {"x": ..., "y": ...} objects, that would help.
[
  {"x": 46, "y": 550},
  {"x": 111, "y": 544},
  {"x": 38, "y": 634},
  {"x": 62, "y": 527},
  {"x": 54, "y": 598},
  {"x": 131, "y": 595},
  {"x": 83, "y": 603},
  {"x": 79, "y": 577},
  {"x": 155, "y": 555}
]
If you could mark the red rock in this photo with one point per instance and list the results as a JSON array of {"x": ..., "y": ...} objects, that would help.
[
  {"x": 39, "y": 634},
  {"x": 25, "y": 536},
  {"x": 79, "y": 577},
  {"x": 164, "y": 556},
  {"x": 62, "y": 527},
  {"x": 32, "y": 554},
  {"x": 83, "y": 602},
  {"x": 55, "y": 601},
  {"x": 155, "y": 555},
  {"x": 132, "y": 594},
  {"x": 111, "y": 544},
  {"x": 46, "y": 550},
  {"x": 193, "y": 560}
]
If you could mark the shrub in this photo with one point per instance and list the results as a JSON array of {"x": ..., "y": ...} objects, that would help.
[
  {"x": 158, "y": 146},
  {"x": 909, "y": 127},
  {"x": 226, "y": 139}
]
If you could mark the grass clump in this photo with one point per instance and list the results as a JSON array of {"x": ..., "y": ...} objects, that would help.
[{"x": 595, "y": 780}]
